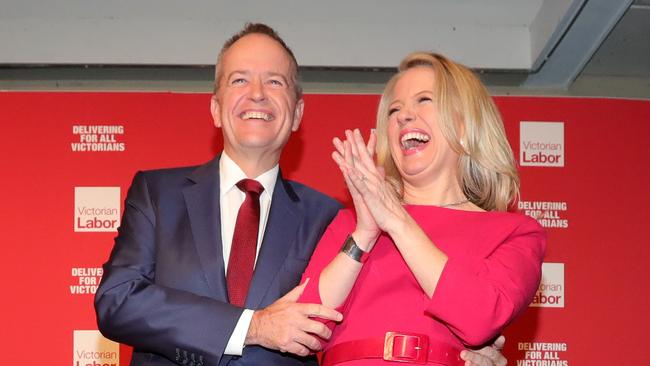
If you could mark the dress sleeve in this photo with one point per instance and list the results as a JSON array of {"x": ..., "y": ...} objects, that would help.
[
  {"x": 476, "y": 299},
  {"x": 328, "y": 247}
]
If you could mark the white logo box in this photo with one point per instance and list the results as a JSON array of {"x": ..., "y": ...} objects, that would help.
[
  {"x": 92, "y": 349},
  {"x": 550, "y": 293},
  {"x": 541, "y": 144},
  {"x": 96, "y": 209}
]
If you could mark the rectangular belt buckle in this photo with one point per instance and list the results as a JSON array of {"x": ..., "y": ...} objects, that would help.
[{"x": 406, "y": 347}]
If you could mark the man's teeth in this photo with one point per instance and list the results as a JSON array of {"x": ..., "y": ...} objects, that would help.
[
  {"x": 257, "y": 115},
  {"x": 413, "y": 139}
]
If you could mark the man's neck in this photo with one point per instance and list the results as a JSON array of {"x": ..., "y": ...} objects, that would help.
[{"x": 253, "y": 164}]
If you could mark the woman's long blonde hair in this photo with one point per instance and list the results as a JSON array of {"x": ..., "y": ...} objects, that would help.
[{"x": 470, "y": 122}]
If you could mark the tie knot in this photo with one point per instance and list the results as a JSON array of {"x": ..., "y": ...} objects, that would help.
[{"x": 250, "y": 186}]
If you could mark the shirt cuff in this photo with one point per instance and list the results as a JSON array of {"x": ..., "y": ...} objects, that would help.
[{"x": 235, "y": 346}]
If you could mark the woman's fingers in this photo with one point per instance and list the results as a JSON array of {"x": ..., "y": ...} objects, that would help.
[
  {"x": 359, "y": 151},
  {"x": 338, "y": 145},
  {"x": 338, "y": 158},
  {"x": 372, "y": 143},
  {"x": 347, "y": 153},
  {"x": 346, "y": 171},
  {"x": 349, "y": 135},
  {"x": 364, "y": 158},
  {"x": 355, "y": 159}
]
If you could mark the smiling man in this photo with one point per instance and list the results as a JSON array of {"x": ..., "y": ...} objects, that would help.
[
  {"x": 257, "y": 103},
  {"x": 205, "y": 264}
]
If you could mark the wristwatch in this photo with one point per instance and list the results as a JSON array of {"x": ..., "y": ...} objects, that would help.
[{"x": 352, "y": 250}]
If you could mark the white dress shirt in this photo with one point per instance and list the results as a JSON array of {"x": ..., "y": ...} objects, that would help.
[{"x": 230, "y": 199}]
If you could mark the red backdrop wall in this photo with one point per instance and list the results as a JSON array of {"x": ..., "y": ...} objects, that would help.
[{"x": 593, "y": 307}]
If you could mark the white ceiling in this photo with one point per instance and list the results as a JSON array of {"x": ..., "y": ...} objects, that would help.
[
  {"x": 550, "y": 41},
  {"x": 497, "y": 34}
]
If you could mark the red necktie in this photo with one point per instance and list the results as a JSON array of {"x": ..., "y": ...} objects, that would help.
[{"x": 244, "y": 243}]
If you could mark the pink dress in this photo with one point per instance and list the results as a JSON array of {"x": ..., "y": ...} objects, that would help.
[{"x": 491, "y": 276}]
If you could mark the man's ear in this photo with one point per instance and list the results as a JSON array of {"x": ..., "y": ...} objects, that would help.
[
  {"x": 297, "y": 115},
  {"x": 215, "y": 110}
]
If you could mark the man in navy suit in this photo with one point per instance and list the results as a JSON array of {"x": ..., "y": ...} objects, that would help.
[{"x": 164, "y": 287}]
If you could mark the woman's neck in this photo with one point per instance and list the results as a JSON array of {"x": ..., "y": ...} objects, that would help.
[{"x": 441, "y": 191}]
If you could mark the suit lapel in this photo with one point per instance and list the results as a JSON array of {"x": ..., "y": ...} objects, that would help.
[
  {"x": 202, "y": 200},
  {"x": 279, "y": 237}
]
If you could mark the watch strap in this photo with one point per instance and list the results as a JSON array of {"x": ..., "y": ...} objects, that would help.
[{"x": 352, "y": 250}]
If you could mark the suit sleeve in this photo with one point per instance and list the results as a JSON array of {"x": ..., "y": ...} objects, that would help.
[
  {"x": 478, "y": 298},
  {"x": 132, "y": 309}
]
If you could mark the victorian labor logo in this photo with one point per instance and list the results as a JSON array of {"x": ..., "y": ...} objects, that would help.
[
  {"x": 541, "y": 144},
  {"x": 92, "y": 349},
  {"x": 550, "y": 293},
  {"x": 96, "y": 209}
]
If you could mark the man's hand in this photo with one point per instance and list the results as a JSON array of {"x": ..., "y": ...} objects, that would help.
[
  {"x": 486, "y": 356},
  {"x": 286, "y": 326}
]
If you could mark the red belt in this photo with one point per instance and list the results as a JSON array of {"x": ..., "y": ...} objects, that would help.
[{"x": 397, "y": 347}]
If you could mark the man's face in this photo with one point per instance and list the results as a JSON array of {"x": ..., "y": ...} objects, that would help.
[{"x": 255, "y": 104}]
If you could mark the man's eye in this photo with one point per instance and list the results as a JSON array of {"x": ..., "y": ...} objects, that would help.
[
  {"x": 275, "y": 82},
  {"x": 238, "y": 81}
]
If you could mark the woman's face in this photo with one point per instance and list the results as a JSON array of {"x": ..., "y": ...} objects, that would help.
[{"x": 420, "y": 151}]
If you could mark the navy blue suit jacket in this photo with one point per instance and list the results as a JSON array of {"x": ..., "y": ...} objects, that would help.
[{"x": 164, "y": 289}]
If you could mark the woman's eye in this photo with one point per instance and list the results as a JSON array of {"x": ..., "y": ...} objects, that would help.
[
  {"x": 424, "y": 99},
  {"x": 392, "y": 111}
]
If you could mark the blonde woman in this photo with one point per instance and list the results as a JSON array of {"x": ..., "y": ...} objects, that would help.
[{"x": 429, "y": 261}]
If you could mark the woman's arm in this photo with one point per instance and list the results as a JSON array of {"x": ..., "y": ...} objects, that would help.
[
  {"x": 477, "y": 299},
  {"x": 339, "y": 276},
  {"x": 379, "y": 200}
]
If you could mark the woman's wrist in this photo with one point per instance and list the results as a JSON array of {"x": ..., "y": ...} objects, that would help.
[
  {"x": 364, "y": 240},
  {"x": 402, "y": 226}
]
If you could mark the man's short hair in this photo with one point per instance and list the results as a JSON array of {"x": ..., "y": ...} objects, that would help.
[{"x": 259, "y": 28}]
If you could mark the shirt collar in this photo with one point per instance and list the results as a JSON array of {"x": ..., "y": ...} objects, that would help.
[{"x": 230, "y": 173}]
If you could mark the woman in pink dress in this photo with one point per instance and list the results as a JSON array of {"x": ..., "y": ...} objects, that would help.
[{"x": 429, "y": 261}]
